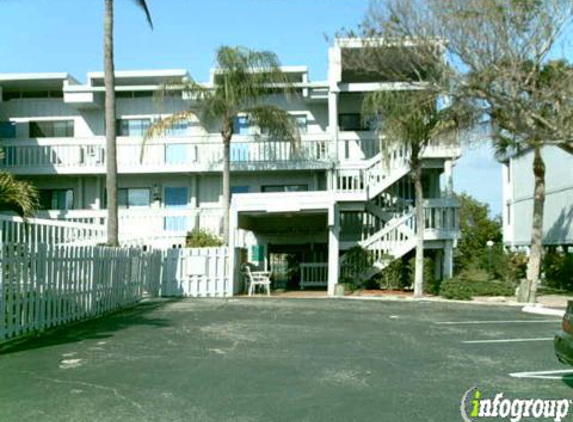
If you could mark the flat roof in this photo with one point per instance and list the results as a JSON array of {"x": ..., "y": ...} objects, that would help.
[{"x": 39, "y": 80}]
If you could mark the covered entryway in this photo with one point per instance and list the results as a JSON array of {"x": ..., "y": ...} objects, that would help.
[{"x": 295, "y": 226}]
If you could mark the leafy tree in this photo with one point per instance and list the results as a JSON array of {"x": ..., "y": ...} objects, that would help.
[
  {"x": 477, "y": 228},
  {"x": 17, "y": 195},
  {"x": 243, "y": 81},
  {"x": 413, "y": 118},
  {"x": 110, "y": 127},
  {"x": 503, "y": 51}
]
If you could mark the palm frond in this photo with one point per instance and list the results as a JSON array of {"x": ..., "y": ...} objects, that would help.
[
  {"x": 143, "y": 5},
  {"x": 17, "y": 195},
  {"x": 162, "y": 126},
  {"x": 274, "y": 122}
]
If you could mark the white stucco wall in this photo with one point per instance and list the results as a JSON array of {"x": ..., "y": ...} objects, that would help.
[{"x": 518, "y": 198}]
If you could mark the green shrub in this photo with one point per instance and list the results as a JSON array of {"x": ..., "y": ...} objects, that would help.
[
  {"x": 558, "y": 270},
  {"x": 393, "y": 277},
  {"x": 357, "y": 261},
  {"x": 508, "y": 266},
  {"x": 455, "y": 289},
  {"x": 431, "y": 285},
  {"x": 475, "y": 282},
  {"x": 202, "y": 239}
]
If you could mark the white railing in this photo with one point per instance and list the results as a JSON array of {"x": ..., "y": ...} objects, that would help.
[
  {"x": 74, "y": 154},
  {"x": 148, "y": 223},
  {"x": 35, "y": 230},
  {"x": 398, "y": 236},
  {"x": 313, "y": 274},
  {"x": 373, "y": 176},
  {"x": 441, "y": 218},
  {"x": 43, "y": 286}
]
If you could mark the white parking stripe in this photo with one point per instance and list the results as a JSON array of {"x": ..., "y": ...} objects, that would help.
[
  {"x": 511, "y": 340},
  {"x": 548, "y": 375},
  {"x": 517, "y": 321}
]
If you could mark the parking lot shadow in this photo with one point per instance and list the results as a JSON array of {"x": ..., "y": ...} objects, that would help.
[
  {"x": 568, "y": 380},
  {"x": 94, "y": 329}
]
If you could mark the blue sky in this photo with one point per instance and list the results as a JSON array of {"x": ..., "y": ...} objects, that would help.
[{"x": 66, "y": 36}]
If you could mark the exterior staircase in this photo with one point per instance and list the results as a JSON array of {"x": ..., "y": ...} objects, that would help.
[{"x": 395, "y": 232}]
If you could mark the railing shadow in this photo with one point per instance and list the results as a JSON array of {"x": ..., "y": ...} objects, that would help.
[
  {"x": 93, "y": 329},
  {"x": 557, "y": 233}
]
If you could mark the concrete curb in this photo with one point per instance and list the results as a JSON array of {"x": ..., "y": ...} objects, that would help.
[
  {"x": 541, "y": 310},
  {"x": 426, "y": 300}
]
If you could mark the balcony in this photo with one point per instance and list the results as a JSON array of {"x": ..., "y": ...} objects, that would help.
[
  {"x": 162, "y": 155},
  {"x": 194, "y": 154}
]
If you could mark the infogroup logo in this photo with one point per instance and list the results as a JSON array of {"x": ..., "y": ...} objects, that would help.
[{"x": 474, "y": 406}]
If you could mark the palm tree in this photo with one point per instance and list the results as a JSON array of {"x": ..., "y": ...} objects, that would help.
[
  {"x": 110, "y": 125},
  {"x": 243, "y": 80},
  {"x": 412, "y": 118},
  {"x": 17, "y": 195}
]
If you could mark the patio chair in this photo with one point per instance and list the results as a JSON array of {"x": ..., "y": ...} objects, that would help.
[{"x": 256, "y": 278}]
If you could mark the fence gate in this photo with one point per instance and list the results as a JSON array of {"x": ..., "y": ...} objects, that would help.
[{"x": 196, "y": 272}]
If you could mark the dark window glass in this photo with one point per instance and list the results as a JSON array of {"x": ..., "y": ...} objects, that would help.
[
  {"x": 56, "y": 199},
  {"x": 52, "y": 129},
  {"x": 285, "y": 188},
  {"x": 133, "y": 127},
  {"x": 7, "y": 130},
  {"x": 350, "y": 121}
]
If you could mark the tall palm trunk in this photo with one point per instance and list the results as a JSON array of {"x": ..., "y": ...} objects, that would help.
[
  {"x": 420, "y": 225},
  {"x": 534, "y": 264},
  {"x": 110, "y": 135},
  {"x": 226, "y": 186}
]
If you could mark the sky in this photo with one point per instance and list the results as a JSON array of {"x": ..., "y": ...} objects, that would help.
[{"x": 67, "y": 36}]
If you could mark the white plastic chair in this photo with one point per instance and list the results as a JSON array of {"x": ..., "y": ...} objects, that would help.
[{"x": 256, "y": 278}]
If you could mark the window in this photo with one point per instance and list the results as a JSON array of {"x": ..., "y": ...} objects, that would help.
[
  {"x": 300, "y": 122},
  {"x": 239, "y": 189},
  {"x": 179, "y": 129},
  {"x": 350, "y": 121},
  {"x": 134, "y": 198},
  {"x": 132, "y": 127},
  {"x": 241, "y": 125},
  {"x": 285, "y": 188},
  {"x": 56, "y": 199},
  {"x": 131, "y": 198},
  {"x": 7, "y": 130},
  {"x": 52, "y": 129}
]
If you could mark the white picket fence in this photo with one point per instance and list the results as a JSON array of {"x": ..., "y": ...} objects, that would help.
[
  {"x": 196, "y": 272},
  {"x": 44, "y": 285},
  {"x": 14, "y": 229}
]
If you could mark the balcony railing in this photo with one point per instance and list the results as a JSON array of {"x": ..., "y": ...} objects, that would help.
[
  {"x": 87, "y": 155},
  {"x": 147, "y": 222},
  {"x": 76, "y": 155}
]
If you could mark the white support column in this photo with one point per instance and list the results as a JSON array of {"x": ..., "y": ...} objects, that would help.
[
  {"x": 232, "y": 271},
  {"x": 448, "y": 265},
  {"x": 449, "y": 177},
  {"x": 333, "y": 248},
  {"x": 333, "y": 121}
]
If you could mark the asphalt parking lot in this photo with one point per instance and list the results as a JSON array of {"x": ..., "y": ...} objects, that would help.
[{"x": 281, "y": 360}]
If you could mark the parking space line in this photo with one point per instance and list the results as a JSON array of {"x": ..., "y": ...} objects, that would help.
[
  {"x": 516, "y": 321},
  {"x": 548, "y": 375},
  {"x": 511, "y": 340}
]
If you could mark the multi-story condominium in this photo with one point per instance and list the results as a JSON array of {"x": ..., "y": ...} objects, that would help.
[
  {"x": 308, "y": 202},
  {"x": 518, "y": 185}
]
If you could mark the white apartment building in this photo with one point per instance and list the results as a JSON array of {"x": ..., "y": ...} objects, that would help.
[
  {"x": 518, "y": 183},
  {"x": 309, "y": 202}
]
